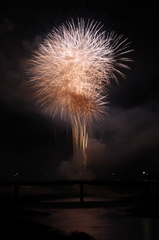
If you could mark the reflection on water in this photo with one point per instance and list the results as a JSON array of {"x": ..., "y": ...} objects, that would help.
[
  {"x": 102, "y": 223},
  {"x": 86, "y": 199},
  {"x": 146, "y": 226}
]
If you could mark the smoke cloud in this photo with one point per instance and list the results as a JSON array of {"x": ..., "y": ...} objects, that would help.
[{"x": 126, "y": 137}]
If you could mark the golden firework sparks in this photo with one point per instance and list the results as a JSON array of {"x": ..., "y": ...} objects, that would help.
[{"x": 71, "y": 70}]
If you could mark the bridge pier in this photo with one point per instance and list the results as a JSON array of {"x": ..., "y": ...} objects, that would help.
[
  {"x": 81, "y": 192},
  {"x": 16, "y": 191}
]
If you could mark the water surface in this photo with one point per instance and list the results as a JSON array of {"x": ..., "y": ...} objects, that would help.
[{"x": 102, "y": 223}]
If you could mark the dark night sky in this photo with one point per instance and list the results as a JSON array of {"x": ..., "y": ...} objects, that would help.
[{"x": 126, "y": 142}]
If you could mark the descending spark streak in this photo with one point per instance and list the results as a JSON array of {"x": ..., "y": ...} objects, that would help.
[{"x": 71, "y": 70}]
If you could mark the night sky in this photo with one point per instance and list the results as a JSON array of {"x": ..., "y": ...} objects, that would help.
[{"x": 38, "y": 147}]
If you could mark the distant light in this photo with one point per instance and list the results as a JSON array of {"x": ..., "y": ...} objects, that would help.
[{"x": 143, "y": 172}]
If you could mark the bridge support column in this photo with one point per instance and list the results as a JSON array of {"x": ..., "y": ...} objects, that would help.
[
  {"x": 81, "y": 192},
  {"x": 16, "y": 191}
]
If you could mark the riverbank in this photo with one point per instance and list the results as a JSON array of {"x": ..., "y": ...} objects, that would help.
[
  {"x": 13, "y": 224},
  {"x": 15, "y": 215},
  {"x": 138, "y": 206}
]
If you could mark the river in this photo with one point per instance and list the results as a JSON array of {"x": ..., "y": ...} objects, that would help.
[{"x": 111, "y": 223}]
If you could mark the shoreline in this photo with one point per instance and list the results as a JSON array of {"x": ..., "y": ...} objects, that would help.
[
  {"x": 134, "y": 206},
  {"x": 16, "y": 216},
  {"x": 137, "y": 206}
]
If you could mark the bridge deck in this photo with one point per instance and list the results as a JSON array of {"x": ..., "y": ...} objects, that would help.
[{"x": 75, "y": 182}]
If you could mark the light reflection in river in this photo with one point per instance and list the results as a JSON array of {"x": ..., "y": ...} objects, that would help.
[{"x": 102, "y": 223}]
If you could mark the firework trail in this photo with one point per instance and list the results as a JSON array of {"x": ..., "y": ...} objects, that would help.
[{"x": 71, "y": 70}]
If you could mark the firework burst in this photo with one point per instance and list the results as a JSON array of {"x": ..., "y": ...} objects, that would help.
[{"x": 71, "y": 70}]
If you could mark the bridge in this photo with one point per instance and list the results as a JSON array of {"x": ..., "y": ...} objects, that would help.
[{"x": 145, "y": 185}]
